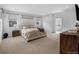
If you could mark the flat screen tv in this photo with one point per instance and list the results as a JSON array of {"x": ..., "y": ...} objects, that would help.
[{"x": 77, "y": 11}]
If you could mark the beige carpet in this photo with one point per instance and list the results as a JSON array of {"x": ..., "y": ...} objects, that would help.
[{"x": 18, "y": 45}]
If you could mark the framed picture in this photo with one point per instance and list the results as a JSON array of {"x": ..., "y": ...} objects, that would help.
[
  {"x": 12, "y": 20},
  {"x": 12, "y": 23}
]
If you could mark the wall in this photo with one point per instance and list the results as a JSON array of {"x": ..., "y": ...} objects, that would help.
[
  {"x": 1, "y": 24},
  {"x": 68, "y": 18},
  {"x": 39, "y": 20},
  {"x": 6, "y": 28},
  {"x": 0, "y": 30},
  {"x": 24, "y": 21}
]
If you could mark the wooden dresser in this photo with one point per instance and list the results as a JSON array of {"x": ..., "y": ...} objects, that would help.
[
  {"x": 16, "y": 33},
  {"x": 69, "y": 42}
]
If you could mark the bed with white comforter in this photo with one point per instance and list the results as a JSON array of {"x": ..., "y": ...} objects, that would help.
[{"x": 32, "y": 33}]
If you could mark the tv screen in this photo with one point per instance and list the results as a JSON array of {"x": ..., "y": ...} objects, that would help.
[{"x": 77, "y": 11}]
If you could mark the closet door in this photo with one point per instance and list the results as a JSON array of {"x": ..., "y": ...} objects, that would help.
[{"x": 58, "y": 24}]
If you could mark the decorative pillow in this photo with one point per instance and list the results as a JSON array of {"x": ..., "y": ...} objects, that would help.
[{"x": 41, "y": 29}]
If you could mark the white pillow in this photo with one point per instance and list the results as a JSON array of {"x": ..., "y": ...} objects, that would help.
[{"x": 24, "y": 27}]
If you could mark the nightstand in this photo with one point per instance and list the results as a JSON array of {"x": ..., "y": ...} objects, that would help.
[{"x": 16, "y": 33}]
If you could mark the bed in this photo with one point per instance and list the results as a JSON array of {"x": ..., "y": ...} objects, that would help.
[{"x": 30, "y": 34}]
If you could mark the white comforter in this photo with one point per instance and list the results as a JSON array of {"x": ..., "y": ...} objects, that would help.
[
  {"x": 25, "y": 32},
  {"x": 31, "y": 33}
]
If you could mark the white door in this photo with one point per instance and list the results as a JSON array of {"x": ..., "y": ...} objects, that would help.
[
  {"x": 58, "y": 24},
  {"x": 0, "y": 30}
]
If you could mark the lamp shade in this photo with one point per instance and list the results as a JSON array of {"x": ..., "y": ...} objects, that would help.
[{"x": 15, "y": 25}]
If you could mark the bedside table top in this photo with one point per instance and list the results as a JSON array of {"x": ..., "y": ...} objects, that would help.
[{"x": 16, "y": 30}]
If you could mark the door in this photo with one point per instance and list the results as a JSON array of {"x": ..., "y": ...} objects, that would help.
[{"x": 58, "y": 24}]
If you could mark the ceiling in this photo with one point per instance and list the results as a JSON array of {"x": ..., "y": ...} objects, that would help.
[{"x": 38, "y": 9}]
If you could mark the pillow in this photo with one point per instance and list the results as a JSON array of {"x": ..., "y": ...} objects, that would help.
[
  {"x": 32, "y": 29},
  {"x": 41, "y": 29},
  {"x": 24, "y": 27}
]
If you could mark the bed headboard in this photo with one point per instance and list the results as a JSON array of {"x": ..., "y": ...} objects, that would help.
[{"x": 27, "y": 26}]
